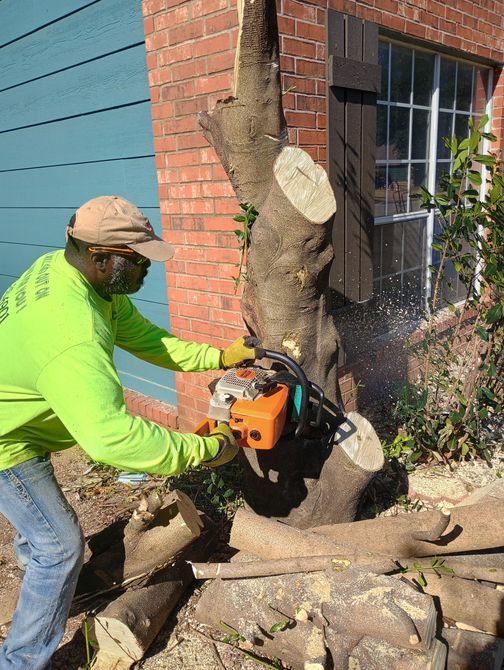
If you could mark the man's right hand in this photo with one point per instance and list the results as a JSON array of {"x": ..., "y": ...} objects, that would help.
[{"x": 228, "y": 447}]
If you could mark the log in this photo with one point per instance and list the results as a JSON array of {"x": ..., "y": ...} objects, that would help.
[
  {"x": 488, "y": 493},
  {"x": 468, "y": 650},
  {"x": 465, "y": 601},
  {"x": 269, "y": 539},
  {"x": 127, "y": 626},
  {"x": 471, "y": 528},
  {"x": 353, "y": 603},
  {"x": 150, "y": 540},
  {"x": 484, "y": 566},
  {"x": 372, "y": 654},
  {"x": 284, "y": 566}
]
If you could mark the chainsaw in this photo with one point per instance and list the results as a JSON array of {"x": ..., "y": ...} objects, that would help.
[{"x": 262, "y": 405}]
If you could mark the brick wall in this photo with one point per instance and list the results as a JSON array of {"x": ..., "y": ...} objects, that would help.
[{"x": 190, "y": 56}]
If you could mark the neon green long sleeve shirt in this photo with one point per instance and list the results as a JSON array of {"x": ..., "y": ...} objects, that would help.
[{"x": 58, "y": 382}]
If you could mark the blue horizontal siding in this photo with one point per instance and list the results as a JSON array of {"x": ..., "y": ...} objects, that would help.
[
  {"x": 20, "y": 17},
  {"x": 113, "y": 81},
  {"x": 117, "y": 133},
  {"x": 78, "y": 38}
]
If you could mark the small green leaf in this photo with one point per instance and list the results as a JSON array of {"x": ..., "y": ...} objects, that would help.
[
  {"x": 494, "y": 314},
  {"x": 278, "y": 626},
  {"x": 421, "y": 579}
]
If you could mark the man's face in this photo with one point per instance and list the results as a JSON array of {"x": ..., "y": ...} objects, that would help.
[{"x": 124, "y": 275}]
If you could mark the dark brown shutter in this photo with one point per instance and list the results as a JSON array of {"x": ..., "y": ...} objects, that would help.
[{"x": 353, "y": 84}]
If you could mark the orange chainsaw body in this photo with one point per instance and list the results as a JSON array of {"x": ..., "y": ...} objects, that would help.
[{"x": 257, "y": 423}]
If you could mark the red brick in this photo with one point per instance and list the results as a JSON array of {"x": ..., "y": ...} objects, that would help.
[
  {"x": 310, "y": 31},
  {"x": 299, "y": 10},
  {"x": 211, "y": 45},
  {"x": 221, "y": 22},
  {"x": 219, "y": 82},
  {"x": 152, "y": 6},
  {"x": 222, "y": 61},
  {"x": 188, "y": 31},
  {"x": 299, "y": 48}
]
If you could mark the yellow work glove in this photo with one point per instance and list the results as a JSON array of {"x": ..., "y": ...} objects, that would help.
[
  {"x": 241, "y": 351},
  {"x": 228, "y": 447}
]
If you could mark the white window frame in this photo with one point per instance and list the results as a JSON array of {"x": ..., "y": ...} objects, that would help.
[{"x": 431, "y": 158}]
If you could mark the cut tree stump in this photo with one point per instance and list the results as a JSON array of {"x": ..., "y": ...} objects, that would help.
[
  {"x": 471, "y": 528},
  {"x": 311, "y": 480},
  {"x": 270, "y": 539},
  {"x": 352, "y": 603},
  {"x": 468, "y": 650}
]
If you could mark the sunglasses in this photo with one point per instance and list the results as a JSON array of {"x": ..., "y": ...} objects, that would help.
[{"x": 133, "y": 255}]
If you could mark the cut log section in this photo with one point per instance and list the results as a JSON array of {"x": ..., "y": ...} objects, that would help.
[
  {"x": 351, "y": 603},
  {"x": 269, "y": 539},
  {"x": 465, "y": 601},
  {"x": 471, "y": 528},
  {"x": 372, "y": 654},
  {"x": 473, "y": 651},
  {"x": 150, "y": 540}
]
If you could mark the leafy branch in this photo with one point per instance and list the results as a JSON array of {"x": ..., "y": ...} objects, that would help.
[{"x": 243, "y": 234}]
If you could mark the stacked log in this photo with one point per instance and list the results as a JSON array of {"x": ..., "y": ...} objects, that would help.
[{"x": 366, "y": 594}]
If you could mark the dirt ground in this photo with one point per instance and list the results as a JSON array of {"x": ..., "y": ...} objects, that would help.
[{"x": 183, "y": 643}]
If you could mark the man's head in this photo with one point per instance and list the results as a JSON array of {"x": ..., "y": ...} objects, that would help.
[{"x": 112, "y": 243}]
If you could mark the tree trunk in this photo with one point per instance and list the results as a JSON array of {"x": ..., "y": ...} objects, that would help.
[{"x": 285, "y": 298}]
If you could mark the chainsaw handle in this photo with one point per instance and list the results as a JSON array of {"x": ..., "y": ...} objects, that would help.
[{"x": 303, "y": 382}]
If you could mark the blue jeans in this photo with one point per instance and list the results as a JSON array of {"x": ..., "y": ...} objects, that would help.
[{"x": 51, "y": 545}]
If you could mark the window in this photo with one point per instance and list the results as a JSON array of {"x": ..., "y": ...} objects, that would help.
[{"x": 424, "y": 97}]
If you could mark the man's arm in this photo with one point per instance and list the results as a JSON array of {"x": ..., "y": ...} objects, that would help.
[
  {"x": 82, "y": 387},
  {"x": 140, "y": 337}
]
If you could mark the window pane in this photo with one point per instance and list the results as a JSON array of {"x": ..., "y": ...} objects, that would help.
[
  {"x": 380, "y": 191},
  {"x": 444, "y": 130},
  {"x": 442, "y": 168},
  {"x": 398, "y": 189},
  {"x": 480, "y": 92},
  {"x": 447, "y": 83},
  {"x": 424, "y": 73},
  {"x": 412, "y": 291},
  {"x": 400, "y": 68},
  {"x": 383, "y": 60},
  {"x": 461, "y": 127},
  {"x": 399, "y": 133},
  {"x": 420, "y": 134},
  {"x": 381, "y": 132},
  {"x": 377, "y": 250},
  {"x": 413, "y": 243},
  {"x": 392, "y": 248},
  {"x": 391, "y": 293},
  {"x": 464, "y": 87},
  {"x": 418, "y": 179}
]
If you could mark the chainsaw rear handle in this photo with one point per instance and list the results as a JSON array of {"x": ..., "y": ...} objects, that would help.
[{"x": 303, "y": 382}]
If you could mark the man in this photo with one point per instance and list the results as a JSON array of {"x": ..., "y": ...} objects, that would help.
[{"x": 59, "y": 323}]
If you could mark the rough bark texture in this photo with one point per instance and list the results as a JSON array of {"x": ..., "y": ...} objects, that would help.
[
  {"x": 471, "y": 527},
  {"x": 465, "y": 601},
  {"x": 372, "y": 654},
  {"x": 473, "y": 651},
  {"x": 352, "y": 603},
  {"x": 285, "y": 298},
  {"x": 147, "y": 542}
]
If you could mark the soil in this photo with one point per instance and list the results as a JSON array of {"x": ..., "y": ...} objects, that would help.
[{"x": 183, "y": 643}]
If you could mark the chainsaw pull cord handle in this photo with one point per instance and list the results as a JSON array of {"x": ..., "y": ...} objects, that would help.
[{"x": 302, "y": 378}]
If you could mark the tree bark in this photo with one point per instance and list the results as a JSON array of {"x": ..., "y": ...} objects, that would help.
[
  {"x": 473, "y": 651},
  {"x": 471, "y": 528},
  {"x": 351, "y": 603},
  {"x": 465, "y": 601},
  {"x": 484, "y": 566},
  {"x": 285, "y": 298},
  {"x": 269, "y": 539}
]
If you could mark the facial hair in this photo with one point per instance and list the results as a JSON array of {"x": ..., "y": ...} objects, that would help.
[{"x": 125, "y": 277}]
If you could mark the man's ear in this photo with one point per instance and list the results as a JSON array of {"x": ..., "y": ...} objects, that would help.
[{"x": 100, "y": 260}]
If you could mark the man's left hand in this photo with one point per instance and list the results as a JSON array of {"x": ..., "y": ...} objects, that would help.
[{"x": 241, "y": 351}]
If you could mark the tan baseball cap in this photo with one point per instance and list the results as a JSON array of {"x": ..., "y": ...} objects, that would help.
[{"x": 110, "y": 220}]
